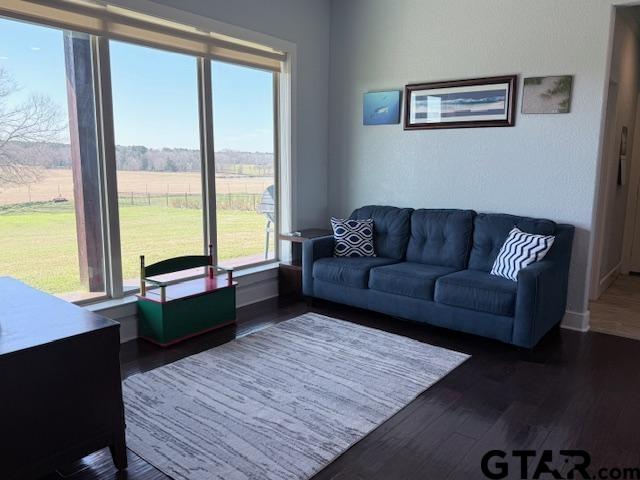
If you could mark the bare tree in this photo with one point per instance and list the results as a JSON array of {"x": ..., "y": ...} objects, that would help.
[{"x": 36, "y": 120}]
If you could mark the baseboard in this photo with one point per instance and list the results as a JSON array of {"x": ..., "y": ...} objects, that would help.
[
  {"x": 256, "y": 292},
  {"x": 578, "y": 321},
  {"x": 606, "y": 281},
  {"x": 128, "y": 328}
]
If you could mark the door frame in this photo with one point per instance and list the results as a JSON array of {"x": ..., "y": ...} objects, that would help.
[{"x": 597, "y": 285}]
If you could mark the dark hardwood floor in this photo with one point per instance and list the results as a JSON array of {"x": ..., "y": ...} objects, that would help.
[{"x": 574, "y": 391}]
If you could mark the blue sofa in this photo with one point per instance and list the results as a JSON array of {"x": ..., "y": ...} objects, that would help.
[{"x": 433, "y": 266}]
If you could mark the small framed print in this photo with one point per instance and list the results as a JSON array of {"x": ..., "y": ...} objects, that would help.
[
  {"x": 478, "y": 102},
  {"x": 381, "y": 108},
  {"x": 547, "y": 94}
]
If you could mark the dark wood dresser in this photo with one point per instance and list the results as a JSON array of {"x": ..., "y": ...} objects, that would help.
[{"x": 60, "y": 389}]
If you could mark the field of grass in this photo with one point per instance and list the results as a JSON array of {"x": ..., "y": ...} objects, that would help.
[
  {"x": 59, "y": 183},
  {"x": 38, "y": 241}
]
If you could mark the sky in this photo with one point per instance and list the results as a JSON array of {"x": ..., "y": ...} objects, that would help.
[{"x": 155, "y": 92}]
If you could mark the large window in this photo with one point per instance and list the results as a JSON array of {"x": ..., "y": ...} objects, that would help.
[
  {"x": 131, "y": 136},
  {"x": 243, "y": 107},
  {"x": 50, "y": 227},
  {"x": 155, "y": 117}
]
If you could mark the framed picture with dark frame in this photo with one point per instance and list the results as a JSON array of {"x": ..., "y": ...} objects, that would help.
[{"x": 477, "y": 102}]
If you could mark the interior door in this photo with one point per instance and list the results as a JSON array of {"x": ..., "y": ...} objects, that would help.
[
  {"x": 631, "y": 254},
  {"x": 634, "y": 248}
]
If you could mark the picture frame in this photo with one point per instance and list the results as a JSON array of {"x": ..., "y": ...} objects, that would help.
[
  {"x": 381, "y": 107},
  {"x": 477, "y": 102},
  {"x": 547, "y": 95}
]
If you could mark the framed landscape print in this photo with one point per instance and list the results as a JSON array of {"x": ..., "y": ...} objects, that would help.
[
  {"x": 547, "y": 94},
  {"x": 479, "y": 102},
  {"x": 381, "y": 108}
]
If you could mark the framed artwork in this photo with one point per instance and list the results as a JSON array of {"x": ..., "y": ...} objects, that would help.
[
  {"x": 381, "y": 108},
  {"x": 547, "y": 94},
  {"x": 478, "y": 102}
]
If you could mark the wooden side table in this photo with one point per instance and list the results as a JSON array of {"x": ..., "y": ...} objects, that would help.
[{"x": 290, "y": 273}]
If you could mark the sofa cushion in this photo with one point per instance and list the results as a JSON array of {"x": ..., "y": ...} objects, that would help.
[
  {"x": 407, "y": 278},
  {"x": 477, "y": 290},
  {"x": 441, "y": 237},
  {"x": 391, "y": 227},
  {"x": 350, "y": 271},
  {"x": 490, "y": 232}
]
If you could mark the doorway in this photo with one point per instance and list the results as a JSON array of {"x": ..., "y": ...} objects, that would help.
[{"x": 615, "y": 286}]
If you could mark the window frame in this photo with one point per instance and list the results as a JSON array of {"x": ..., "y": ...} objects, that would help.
[
  {"x": 283, "y": 93},
  {"x": 213, "y": 234}
]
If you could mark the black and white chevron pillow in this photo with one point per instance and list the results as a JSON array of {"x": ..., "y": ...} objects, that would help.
[
  {"x": 353, "y": 238},
  {"x": 519, "y": 250}
]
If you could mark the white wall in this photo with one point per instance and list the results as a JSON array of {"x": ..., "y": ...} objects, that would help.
[
  {"x": 545, "y": 166},
  {"x": 307, "y": 24},
  {"x": 624, "y": 81}
]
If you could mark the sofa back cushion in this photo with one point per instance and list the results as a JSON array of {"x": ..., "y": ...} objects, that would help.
[
  {"x": 391, "y": 227},
  {"x": 491, "y": 230},
  {"x": 441, "y": 237}
]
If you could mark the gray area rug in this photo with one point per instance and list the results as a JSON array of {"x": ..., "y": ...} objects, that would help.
[{"x": 279, "y": 404}]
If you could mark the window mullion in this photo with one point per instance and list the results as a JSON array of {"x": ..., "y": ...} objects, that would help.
[
  {"x": 276, "y": 160},
  {"x": 111, "y": 222},
  {"x": 207, "y": 154}
]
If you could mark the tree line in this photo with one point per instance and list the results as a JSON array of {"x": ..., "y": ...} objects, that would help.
[
  {"x": 139, "y": 158},
  {"x": 31, "y": 132}
]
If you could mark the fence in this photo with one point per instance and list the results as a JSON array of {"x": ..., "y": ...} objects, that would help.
[{"x": 224, "y": 201}]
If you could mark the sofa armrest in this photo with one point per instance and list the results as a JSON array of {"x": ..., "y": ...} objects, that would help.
[
  {"x": 312, "y": 250},
  {"x": 540, "y": 302}
]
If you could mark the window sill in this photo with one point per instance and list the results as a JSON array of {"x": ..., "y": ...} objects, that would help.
[
  {"x": 244, "y": 276},
  {"x": 109, "y": 304},
  {"x": 243, "y": 272}
]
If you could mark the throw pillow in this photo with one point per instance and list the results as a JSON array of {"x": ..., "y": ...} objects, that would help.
[
  {"x": 353, "y": 238},
  {"x": 519, "y": 250}
]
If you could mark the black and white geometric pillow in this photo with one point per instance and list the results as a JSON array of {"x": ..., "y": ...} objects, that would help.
[
  {"x": 519, "y": 250},
  {"x": 353, "y": 238}
]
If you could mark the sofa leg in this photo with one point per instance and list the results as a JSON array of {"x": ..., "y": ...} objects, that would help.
[{"x": 309, "y": 301}]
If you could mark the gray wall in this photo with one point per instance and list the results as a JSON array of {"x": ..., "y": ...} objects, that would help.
[
  {"x": 307, "y": 24},
  {"x": 545, "y": 166}
]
